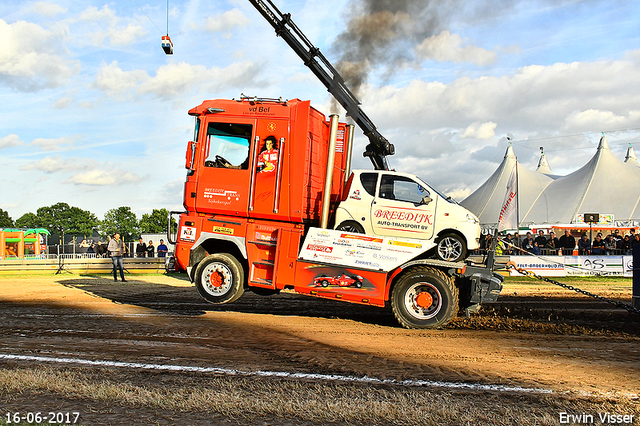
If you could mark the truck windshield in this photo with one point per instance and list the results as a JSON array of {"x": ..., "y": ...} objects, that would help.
[{"x": 230, "y": 142}]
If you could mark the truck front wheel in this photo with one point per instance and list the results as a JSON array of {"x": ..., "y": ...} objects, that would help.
[
  {"x": 424, "y": 297},
  {"x": 220, "y": 278}
]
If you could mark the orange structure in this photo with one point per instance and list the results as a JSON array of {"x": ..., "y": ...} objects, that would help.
[{"x": 18, "y": 243}]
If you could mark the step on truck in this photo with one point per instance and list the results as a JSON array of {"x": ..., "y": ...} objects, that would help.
[{"x": 271, "y": 204}]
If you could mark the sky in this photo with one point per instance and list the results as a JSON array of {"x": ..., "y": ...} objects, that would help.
[{"x": 94, "y": 114}]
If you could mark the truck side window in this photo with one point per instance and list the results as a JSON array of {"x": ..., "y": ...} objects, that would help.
[
  {"x": 228, "y": 145},
  {"x": 401, "y": 188},
  {"x": 369, "y": 181}
]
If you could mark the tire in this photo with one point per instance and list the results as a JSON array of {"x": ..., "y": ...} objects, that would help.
[
  {"x": 424, "y": 297},
  {"x": 324, "y": 283},
  {"x": 220, "y": 278},
  {"x": 351, "y": 226},
  {"x": 451, "y": 247}
]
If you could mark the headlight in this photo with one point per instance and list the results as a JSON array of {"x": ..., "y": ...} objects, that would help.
[{"x": 472, "y": 219}]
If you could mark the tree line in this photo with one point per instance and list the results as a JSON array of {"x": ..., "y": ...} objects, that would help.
[{"x": 62, "y": 219}]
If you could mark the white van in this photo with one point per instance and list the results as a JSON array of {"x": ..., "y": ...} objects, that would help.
[{"x": 387, "y": 203}]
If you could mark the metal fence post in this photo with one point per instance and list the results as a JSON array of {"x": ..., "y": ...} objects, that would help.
[{"x": 636, "y": 276}]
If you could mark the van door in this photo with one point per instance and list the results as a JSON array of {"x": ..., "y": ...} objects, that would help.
[{"x": 403, "y": 207}]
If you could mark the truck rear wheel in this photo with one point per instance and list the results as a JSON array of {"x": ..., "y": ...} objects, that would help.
[
  {"x": 220, "y": 278},
  {"x": 424, "y": 297}
]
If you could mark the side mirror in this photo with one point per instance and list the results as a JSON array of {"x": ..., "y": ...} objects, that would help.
[
  {"x": 427, "y": 200},
  {"x": 191, "y": 155}
]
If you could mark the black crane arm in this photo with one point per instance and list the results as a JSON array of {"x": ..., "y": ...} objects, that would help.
[{"x": 379, "y": 147}]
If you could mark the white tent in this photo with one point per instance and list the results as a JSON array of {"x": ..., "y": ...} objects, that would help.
[
  {"x": 486, "y": 201},
  {"x": 604, "y": 185}
]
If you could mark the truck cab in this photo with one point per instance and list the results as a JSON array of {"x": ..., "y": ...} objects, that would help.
[{"x": 394, "y": 204}]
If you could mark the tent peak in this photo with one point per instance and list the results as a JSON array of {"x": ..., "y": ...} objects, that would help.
[
  {"x": 631, "y": 158},
  {"x": 604, "y": 143},
  {"x": 543, "y": 164},
  {"x": 509, "y": 152}
]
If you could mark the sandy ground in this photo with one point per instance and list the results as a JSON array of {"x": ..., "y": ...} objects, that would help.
[{"x": 533, "y": 337}]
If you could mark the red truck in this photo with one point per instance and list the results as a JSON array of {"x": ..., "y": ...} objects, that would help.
[{"x": 265, "y": 178}]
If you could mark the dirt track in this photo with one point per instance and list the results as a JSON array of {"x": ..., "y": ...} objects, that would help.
[{"x": 554, "y": 342}]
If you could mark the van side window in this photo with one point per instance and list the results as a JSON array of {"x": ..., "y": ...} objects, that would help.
[
  {"x": 401, "y": 188},
  {"x": 369, "y": 181},
  {"x": 228, "y": 145}
]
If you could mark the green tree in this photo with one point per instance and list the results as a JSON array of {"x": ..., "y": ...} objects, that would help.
[
  {"x": 29, "y": 220},
  {"x": 121, "y": 220},
  {"x": 81, "y": 222},
  {"x": 156, "y": 222},
  {"x": 61, "y": 218},
  {"x": 5, "y": 220}
]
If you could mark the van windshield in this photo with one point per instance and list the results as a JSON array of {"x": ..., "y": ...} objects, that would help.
[{"x": 444, "y": 197}]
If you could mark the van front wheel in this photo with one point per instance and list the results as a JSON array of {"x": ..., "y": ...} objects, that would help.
[{"x": 451, "y": 247}]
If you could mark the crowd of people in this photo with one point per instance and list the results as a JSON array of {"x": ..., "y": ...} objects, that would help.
[
  {"x": 101, "y": 249},
  {"x": 513, "y": 244}
]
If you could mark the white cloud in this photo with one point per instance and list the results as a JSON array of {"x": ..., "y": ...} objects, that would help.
[
  {"x": 126, "y": 36},
  {"x": 101, "y": 177},
  {"x": 480, "y": 130},
  {"x": 63, "y": 102},
  {"x": 84, "y": 171},
  {"x": 58, "y": 164},
  {"x": 534, "y": 102},
  {"x": 446, "y": 47},
  {"x": 597, "y": 119},
  {"x": 534, "y": 98},
  {"x": 9, "y": 141},
  {"x": 30, "y": 58},
  {"x": 54, "y": 144},
  {"x": 115, "y": 82},
  {"x": 226, "y": 21},
  {"x": 173, "y": 80},
  {"x": 105, "y": 24},
  {"x": 47, "y": 9},
  {"x": 93, "y": 14}
]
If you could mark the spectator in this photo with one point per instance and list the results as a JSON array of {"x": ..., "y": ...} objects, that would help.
[
  {"x": 567, "y": 243},
  {"x": 162, "y": 249},
  {"x": 552, "y": 243},
  {"x": 626, "y": 245},
  {"x": 540, "y": 239},
  {"x": 141, "y": 248},
  {"x": 616, "y": 236},
  {"x": 528, "y": 243},
  {"x": 609, "y": 245},
  {"x": 150, "y": 249},
  {"x": 508, "y": 245},
  {"x": 117, "y": 250},
  {"x": 598, "y": 245},
  {"x": 632, "y": 234},
  {"x": 584, "y": 245}
]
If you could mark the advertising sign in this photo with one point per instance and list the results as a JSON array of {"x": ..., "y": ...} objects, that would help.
[
  {"x": 549, "y": 266},
  {"x": 594, "y": 265},
  {"x": 359, "y": 250}
]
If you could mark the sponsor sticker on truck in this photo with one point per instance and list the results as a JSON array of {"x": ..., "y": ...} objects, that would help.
[{"x": 365, "y": 251}]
